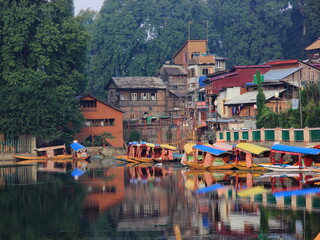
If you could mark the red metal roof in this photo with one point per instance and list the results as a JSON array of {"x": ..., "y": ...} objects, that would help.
[
  {"x": 238, "y": 78},
  {"x": 280, "y": 62}
]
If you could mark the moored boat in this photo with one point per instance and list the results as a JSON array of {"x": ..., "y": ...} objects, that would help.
[
  {"x": 248, "y": 156},
  {"x": 46, "y": 153},
  {"x": 207, "y": 158},
  {"x": 301, "y": 159}
]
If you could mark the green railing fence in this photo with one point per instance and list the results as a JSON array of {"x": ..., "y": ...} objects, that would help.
[{"x": 276, "y": 134}]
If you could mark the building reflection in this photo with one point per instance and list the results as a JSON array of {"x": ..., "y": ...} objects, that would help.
[
  {"x": 105, "y": 188},
  {"x": 18, "y": 174},
  {"x": 146, "y": 198}
]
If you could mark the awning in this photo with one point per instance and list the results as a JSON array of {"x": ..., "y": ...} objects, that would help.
[
  {"x": 213, "y": 151},
  {"x": 77, "y": 146},
  {"x": 293, "y": 149},
  {"x": 251, "y": 148}
]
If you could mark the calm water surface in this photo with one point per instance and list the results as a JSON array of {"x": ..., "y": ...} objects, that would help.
[{"x": 116, "y": 201}]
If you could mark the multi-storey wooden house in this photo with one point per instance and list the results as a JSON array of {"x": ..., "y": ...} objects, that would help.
[{"x": 100, "y": 118}]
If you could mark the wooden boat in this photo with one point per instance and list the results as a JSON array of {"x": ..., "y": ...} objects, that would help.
[
  {"x": 207, "y": 158},
  {"x": 148, "y": 152},
  {"x": 47, "y": 153},
  {"x": 79, "y": 152},
  {"x": 247, "y": 157},
  {"x": 302, "y": 159}
]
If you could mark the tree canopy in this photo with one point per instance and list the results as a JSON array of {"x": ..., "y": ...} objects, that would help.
[
  {"x": 42, "y": 50},
  {"x": 134, "y": 38}
]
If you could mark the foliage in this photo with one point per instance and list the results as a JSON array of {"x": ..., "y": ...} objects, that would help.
[
  {"x": 134, "y": 135},
  {"x": 102, "y": 139},
  {"x": 42, "y": 48},
  {"x": 261, "y": 103},
  {"x": 134, "y": 38}
]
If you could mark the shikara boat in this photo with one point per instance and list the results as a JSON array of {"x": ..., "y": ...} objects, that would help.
[
  {"x": 79, "y": 152},
  {"x": 248, "y": 156},
  {"x": 302, "y": 159},
  {"x": 207, "y": 158},
  {"x": 148, "y": 152},
  {"x": 47, "y": 153}
]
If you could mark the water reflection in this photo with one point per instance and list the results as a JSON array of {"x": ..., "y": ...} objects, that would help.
[{"x": 145, "y": 201}]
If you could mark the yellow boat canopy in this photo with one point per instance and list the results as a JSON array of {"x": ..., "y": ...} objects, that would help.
[
  {"x": 251, "y": 148},
  {"x": 252, "y": 191},
  {"x": 166, "y": 146}
]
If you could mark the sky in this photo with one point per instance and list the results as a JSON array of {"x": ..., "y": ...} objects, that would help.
[{"x": 84, "y": 4}]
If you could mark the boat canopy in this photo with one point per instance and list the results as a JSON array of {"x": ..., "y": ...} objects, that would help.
[
  {"x": 77, "y": 147},
  {"x": 50, "y": 148},
  {"x": 223, "y": 146},
  {"x": 251, "y": 148},
  {"x": 294, "y": 149},
  {"x": 213, "y": 151},
  {"x": 166, "y": 146}
]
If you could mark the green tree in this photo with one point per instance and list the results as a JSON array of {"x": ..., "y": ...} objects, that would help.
[
  {"x": 134, "y": 135},
  {"x": 134, "y": 38},
  {"x": 42, "y": 48},
  {"x": 261, "y": 101}
]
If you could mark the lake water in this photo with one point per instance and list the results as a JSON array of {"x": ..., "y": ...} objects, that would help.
[{"x": 113, "y": 201}]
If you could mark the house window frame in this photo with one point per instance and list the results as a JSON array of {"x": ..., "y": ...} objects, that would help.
[{"x": 134, "y": 96}]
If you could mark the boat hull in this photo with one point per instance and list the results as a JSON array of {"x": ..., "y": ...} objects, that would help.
[
  {"x": 208, "y": 168},
  {"x": 288, "y": 168},
  {"x": 243, "y": 167}
]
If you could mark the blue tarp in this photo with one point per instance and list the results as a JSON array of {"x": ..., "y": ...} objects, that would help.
[
  {"x": 210, "y": 188},
  {"x": 211, "y": 150},
  {"x": 77, "y": 146},
  {"x": 297, "y": 192},
  {"x": 201, "y": 81},
  {"x": 77, "y": 172},
  {"x": 293, "y": 149}
]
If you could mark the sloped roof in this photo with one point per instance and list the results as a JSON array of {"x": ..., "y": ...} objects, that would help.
[
  {"x": 80, "y": 97},
  {"x": 139, "y": 82},
  {"x": 179, "y": 93},
  {"x": 314, "y": 45},
  {"x": 174, "y": 70},
  {"x": 251, "y": 97},
  {"x": 278, "y": 74}
]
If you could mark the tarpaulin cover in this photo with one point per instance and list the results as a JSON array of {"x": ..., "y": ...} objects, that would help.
[
  {"x": 77, "y": 146},
  {"x": 293, "y": 149}
]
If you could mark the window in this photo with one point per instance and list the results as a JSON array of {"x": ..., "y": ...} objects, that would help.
[
  {"x": 219, "y": 64},
  {"x": 134, "y": 96},
  {"x": 154, "y": 96},
  {"x": 205, "y": 71},
  {"x": 131, "y": 116},
  {"x": 145, "y": 96},
  {"x": 88, "y": 104},
  {"x": 99, "y": 122}
]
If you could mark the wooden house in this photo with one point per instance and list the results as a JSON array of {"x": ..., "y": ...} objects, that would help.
[
  {"x": 138, "y": 97},
  {"x": 101, "y": 117}
]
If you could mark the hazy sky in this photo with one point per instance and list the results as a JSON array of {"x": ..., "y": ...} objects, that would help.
[{"x": 84, "y": 4}]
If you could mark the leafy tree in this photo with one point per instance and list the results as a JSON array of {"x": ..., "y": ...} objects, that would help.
[
  {"x": 134, "y": 38},
  {"x": 261, "y": 101},
  {"x": 134, "y": 135},
  {"x": 42, "y": 48},
  {"x": 248, "y": 32}
]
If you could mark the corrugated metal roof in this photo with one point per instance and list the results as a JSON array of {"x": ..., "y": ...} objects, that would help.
[
  {"x": 139, "y": 82},
  {"x": 251, "y": 97},
  {"x": 278, "y": 74}
]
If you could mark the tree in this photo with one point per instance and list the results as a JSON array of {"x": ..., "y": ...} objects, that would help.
[
  {"x": 261, "y": 100},
  {"x": 42, "y": 48},
  {"x": 134, "y": 38}
]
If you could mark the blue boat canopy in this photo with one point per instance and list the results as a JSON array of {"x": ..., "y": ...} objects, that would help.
[
  {"x": 211, "y": 150},
  {"x": 293, "y": 149},
  {"x": 77, "y": 146}
]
